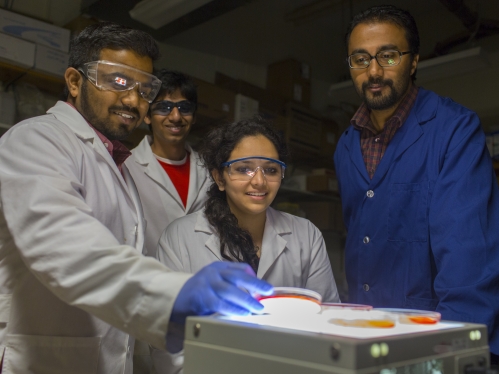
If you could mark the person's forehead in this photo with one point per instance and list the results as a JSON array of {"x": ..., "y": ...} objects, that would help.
[
  {"x": 258, "y": 145},
  {"x": 371, "y": 37},
  {"x": 127, "y": 57},
  {"x": 175, "y": 97}
]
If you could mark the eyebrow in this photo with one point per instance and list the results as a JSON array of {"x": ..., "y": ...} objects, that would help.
[{"x": 381, "y": 48}]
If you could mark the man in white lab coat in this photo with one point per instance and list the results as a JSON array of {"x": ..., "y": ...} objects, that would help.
[
  {"x": 170, "y": 178},
  {"x": 75, "y": 288}
]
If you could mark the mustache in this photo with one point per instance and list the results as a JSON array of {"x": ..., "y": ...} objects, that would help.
[
  {"x": 377, "y": 81},
  {"x": 125, "y": 108}
]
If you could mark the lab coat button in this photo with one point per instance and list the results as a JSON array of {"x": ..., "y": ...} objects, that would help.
[
  {"x": 366, "y": 240},
  {"x": 370, "y": 193},
  {"x": 365, "y": 287}
]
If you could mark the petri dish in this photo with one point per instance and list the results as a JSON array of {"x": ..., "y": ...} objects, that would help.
[
  {"x": 326, "y": 306},
  {"x": 413, "y": 316},
  {"x": 370, "y": 318},
  {"x": 291, "y": 301}
]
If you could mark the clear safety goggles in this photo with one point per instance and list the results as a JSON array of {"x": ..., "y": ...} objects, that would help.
[
  {"x": 111, "y": 76},
  {"x": 244, "y": 169},
  {"x": 165, "y": 107}
]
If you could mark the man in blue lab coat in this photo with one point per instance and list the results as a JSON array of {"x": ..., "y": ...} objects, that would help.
[{"x": 420, "y": 199}]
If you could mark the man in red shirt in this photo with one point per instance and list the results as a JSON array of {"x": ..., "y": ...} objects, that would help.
[{"x": 167, "y": 171}]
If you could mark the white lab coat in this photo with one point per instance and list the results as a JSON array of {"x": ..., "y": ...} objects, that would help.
[
  {"x": 293, "y": 251},
  {"x": 73, "y": 281},
  {"x": 160, "y": 200}
]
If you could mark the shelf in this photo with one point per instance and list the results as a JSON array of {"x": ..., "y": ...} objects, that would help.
[{"x": 45, "y": 82}]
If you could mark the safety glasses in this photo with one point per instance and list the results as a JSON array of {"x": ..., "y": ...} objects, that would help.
[
  {"x": 111, "y": 76},
  {"x": 244, "y": 169},
  {"x": 165, "y": 107}
]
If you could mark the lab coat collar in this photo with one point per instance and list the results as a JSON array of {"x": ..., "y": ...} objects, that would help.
[
  {"x": 423, "y": 111},
  {"x": 213, "y": 243},
  {"x": 70, "y": 116},
  {"x": 273, "y": 243},
  {"x": 145, "y": 157}
]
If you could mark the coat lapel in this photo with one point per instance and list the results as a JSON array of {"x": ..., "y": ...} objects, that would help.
[
  {"x": 74, "y": 120},
  {"x": 213, "y": 243},
  {"x": 407, "y": 134},
  {"x": 196, "y": 180},
  {"x": 152, "y": 168},
  {"x": 273, "y": 243},
  {"x": 352, "y": 143}
]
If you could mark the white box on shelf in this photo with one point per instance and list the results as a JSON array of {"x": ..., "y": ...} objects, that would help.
[
  {"x": 245, "y": 107},
  {"x": 51, "y": 60},
  {"x": 17, "y": 51},
  {"x": 34, "y": 30}
]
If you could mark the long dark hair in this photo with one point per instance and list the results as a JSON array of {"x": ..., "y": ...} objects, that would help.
[{"x": 236, "y": 243}]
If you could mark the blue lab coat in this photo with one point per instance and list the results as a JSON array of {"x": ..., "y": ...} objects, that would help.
[{"x": 424, "y": 232}]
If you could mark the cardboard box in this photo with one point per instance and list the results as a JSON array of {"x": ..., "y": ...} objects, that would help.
[
  {"x": 326, "y": 215},
  {"x": 329, "y": 137},
  {"x": 302, "y": 128},
  {"x": 290, "y": 79},
  {"x": 322, "y": 183},
  {"x": 17, "y": 51},
  {"x": 33, "y": 30},
  {"x": 245, "y": 107},
  {"x": 214, "y": 102},
  {"x": 51, "y": 60},
  {"x": 296, "y": 182},
  {"x": 269, "y": 104}
]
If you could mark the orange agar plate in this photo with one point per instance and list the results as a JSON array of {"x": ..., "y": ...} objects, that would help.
[
  {"x": 291, "y": 301},
  {"x": 374, "y": 323},
  {"x": 412, "y": 316}
]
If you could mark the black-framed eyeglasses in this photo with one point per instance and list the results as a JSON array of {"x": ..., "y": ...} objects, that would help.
[
  {"x": 390, "y": 57},
  {"x": 165, "y": 107}
]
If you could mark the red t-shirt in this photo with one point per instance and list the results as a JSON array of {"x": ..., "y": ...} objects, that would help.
[{"x": 178, "y": 171}]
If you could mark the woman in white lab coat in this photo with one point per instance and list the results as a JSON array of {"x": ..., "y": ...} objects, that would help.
[{"x": 246, "y": 160}]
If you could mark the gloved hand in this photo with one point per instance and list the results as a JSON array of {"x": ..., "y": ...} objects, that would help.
[{"x": 217, "y": 288}]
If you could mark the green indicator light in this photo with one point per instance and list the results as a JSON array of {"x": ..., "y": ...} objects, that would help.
[
  {"x": 375, "y": 350},
  {"x": 384, "y": 349}
]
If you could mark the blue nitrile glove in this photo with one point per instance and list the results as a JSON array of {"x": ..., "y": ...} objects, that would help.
[{"x": 220, "y": 288}]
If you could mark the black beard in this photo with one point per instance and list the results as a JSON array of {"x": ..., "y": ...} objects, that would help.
[
  {"x": 378, "y": 101},
  {"x": 88, "y": 112}
]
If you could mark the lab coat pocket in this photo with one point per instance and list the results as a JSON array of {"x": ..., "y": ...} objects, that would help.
[
  {"x": 408, "y": 212},
  {"x": 50, "y": 354}
]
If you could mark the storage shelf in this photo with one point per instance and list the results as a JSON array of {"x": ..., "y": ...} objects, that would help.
[{"x": 45, "y": 82}]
